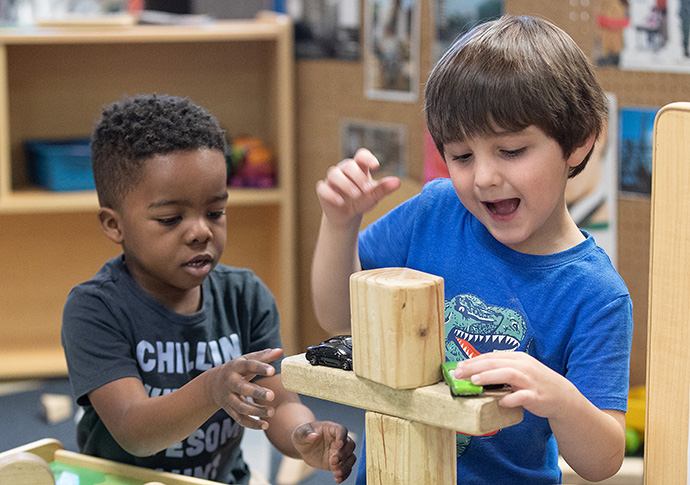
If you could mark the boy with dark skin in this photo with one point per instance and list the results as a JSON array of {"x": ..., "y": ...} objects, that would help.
[
  {"x": 514, "y": 108},
  {"x": 170, "y": 352}
]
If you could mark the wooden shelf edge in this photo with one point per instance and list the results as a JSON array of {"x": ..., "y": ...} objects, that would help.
[
  {"x": 32, "y": 363},
  {"x": 37, "y": 201},
  {"x": 265, "y": 28}
]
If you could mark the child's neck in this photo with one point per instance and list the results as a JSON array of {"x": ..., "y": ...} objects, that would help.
[{"x": 188, "y": 304}]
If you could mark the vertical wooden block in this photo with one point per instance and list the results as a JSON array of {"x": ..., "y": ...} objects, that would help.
[
  {"x": 403, "y": 452},
  {"x": 397, "y": 326}
]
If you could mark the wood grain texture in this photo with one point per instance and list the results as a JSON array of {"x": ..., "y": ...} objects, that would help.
[
  {"x": 397, "y": 326},
  {"x": 406, "y": 452},
  {"x": 432, "y": 405},
  {"x": 668, "y": 357}
]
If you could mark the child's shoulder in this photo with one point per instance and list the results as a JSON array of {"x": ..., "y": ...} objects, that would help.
[{"x": 235, "y": 277}]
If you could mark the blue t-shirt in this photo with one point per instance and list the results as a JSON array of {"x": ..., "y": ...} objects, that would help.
[{"x": 570, "y": 310}]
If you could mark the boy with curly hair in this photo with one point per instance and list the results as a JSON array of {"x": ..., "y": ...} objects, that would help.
[
  {"x": 170, "y": 353},
  {"x": 514, "y": 109}
]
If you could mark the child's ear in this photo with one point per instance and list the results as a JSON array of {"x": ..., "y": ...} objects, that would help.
[
  {"x": 581, "y": 151},
  {"x": 111, "y": 224}
]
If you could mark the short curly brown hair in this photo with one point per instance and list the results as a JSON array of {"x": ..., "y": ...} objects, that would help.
[{"x": 136, "y": 129}]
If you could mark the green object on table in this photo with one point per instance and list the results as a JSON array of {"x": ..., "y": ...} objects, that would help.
[
  {"x": 77, "y": 475},
  {"x": 459, "y": 387}
]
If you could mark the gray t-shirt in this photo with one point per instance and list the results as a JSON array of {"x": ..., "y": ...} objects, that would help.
[{"x": 112, "y": 329}]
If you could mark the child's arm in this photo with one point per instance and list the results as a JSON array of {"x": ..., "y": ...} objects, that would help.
[
  {"x": 144, "y": 426},
  {"x": 591, "y": 440},
  {"x": 295, "y": 433},
  {"x": 347, "y": 192}
]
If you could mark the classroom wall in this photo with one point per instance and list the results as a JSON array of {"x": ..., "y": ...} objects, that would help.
[{"x": 330, "y": 90}]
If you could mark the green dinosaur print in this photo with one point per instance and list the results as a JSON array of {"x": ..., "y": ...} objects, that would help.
[{"x": 472, "y": 328}]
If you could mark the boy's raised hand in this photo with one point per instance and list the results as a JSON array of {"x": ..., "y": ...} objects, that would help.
[
  {"x": 231, "y": 388},
  {"x": 327, "y": 446},
  {"x": 349, "y": 190}
]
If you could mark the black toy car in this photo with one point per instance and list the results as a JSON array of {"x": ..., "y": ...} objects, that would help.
[{"x": 334, "y": 352}]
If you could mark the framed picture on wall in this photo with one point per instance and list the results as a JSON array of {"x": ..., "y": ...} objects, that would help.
[
  {"x": 592, "y": 195},
  {"x": 656, "y": 36},
  {"x": 391, "y": 50},
  {"x": 387, "y": 141},
  {"x": 455, "y": 17}
]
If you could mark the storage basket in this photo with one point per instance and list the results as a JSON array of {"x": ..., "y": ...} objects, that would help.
[{"x": 60, "y": 165}]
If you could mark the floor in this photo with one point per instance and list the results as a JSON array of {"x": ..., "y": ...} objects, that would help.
[{"x": 23, "y": 421}]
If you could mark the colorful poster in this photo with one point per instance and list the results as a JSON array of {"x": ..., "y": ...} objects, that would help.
[
  {"x": 635, "y": 141},
  {"x": 657, "y": 36},
  {"x": 592, "y": 195}
]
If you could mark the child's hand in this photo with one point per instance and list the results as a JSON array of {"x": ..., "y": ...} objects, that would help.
[
  {"x": 230, "y": 388},
  {"x": 326, "y": 445},
  {"x": 349, "y": 190},
  {"x": 536, "y": 387}
]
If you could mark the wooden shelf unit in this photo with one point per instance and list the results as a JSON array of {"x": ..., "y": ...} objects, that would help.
[{"x": 54, "y": 83}]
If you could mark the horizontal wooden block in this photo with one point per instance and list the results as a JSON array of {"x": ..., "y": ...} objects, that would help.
[
  {"x": 397, "y": 326},
  {"x": 432, "y": 405}
]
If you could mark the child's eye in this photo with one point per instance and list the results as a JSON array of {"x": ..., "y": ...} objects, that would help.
[
  {"x": 216, "y": 214},
  {"x": 514, "y": 153},
  {"x": 168, "y": 221},
  {"x": 461, "y": 158}
]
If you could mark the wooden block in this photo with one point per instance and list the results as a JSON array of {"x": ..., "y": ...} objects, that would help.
[
  {"x": 405, "y": 452},
  {"x": 668, "y": 355},
  {"x": 397, "y": 326},
  {"x": 431, "y": 405},
  {"x": 24, "y": 468}
]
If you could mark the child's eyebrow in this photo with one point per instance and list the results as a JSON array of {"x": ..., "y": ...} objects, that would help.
[{"x": 169, "y": 202}]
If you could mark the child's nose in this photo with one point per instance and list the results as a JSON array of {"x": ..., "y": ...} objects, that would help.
[
  {"x": 486, "y": 172},
  {"x": 199, "y": 232}
]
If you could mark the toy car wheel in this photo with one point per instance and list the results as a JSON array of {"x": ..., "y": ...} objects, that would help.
[
  {"x": 346, "y": 366},
  {"x": 313, "y": 360}
]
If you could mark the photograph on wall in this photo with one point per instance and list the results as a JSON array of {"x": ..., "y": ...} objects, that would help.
[
  {"x": 592, "y": 195},
  {"x": 391, "y": 50},
  {"x": 326, "y": 29},
  {"x": 636, "y": 138},
  {"x": 656, "y": 36},
  {"x": 387, "y": 141},
  {"x": 455, "y": 17}
]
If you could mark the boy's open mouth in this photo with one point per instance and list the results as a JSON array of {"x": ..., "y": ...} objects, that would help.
[{"x": 503, "y": 207}]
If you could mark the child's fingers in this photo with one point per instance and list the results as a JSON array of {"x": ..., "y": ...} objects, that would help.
[
  {"x": 366, "y": 159},
  {"x": 265, "y": 355}
]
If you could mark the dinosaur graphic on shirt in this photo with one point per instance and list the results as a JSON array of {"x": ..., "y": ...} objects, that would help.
[{"x": 473, "y": 327}]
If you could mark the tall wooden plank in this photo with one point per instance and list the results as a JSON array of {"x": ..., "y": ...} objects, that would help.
[{"x": 668, "y": 353}]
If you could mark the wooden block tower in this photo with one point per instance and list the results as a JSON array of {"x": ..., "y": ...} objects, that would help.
[{"x": 398, "y": 343}]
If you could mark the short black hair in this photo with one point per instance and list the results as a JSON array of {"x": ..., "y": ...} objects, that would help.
[
  {"x": 512, "y": 73},
  {"x": 140, "y": 127}
]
